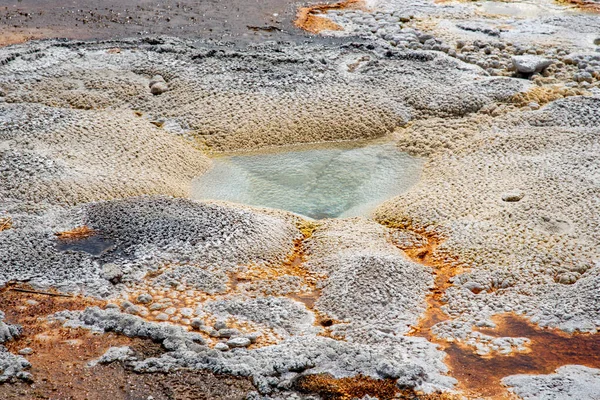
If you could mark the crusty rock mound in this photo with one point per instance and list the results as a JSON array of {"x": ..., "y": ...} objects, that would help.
[
  {"x": 73, "y": 156},
  {"x": 263, "y": 95},
  {"x": 370, "y": 282},
  {"x": 569, "y": 382},
  {"x": 135, "y": 235},
  {"x": 519, "y": 205}
]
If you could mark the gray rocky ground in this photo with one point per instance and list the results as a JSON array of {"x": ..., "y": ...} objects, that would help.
[
  {"x": 569, "y": 382},
  {"x": 504, "y": 109},
  {"x": 12, "y": 366}
]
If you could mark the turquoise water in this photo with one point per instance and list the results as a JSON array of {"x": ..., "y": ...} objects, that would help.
[{"x": 318, "y": 183}]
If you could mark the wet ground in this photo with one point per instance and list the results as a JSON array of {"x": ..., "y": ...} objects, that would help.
[{"x": 251, "y": 20}]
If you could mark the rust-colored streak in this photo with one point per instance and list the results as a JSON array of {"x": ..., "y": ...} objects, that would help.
[
  {"x": 347, "y": 388},
  {"x": 443, "y": 272},
  {"x": 5, "y": 223},
  {"x": 80, "y": 232},
  {"x": 550, "y": 349},
  {"x": 357, "y": 387},
  {"x": 585, "y": 5},
  {"x": 480, "y": 376},
  {"x": 292, "y": 266},
  {"x": 309, "y": 20}
]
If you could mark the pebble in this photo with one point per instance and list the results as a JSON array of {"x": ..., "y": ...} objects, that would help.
[
  {"x": 126, "y": 304},
  {"x": 144, "y": 298},
  {"x": 239, "y": 342},
  {"x": 25, "y": 376},
  {"x": 26, "y": 351},
  {"x": 220, "y": 324},
  {"x": 513, "y": 196},
  {"x": 528, "y": 64},
  {"x": 159, "y": 88},
  {"x": 112, "y": 273},
  {"x": 221, "y": 346},
  {"x": 170, "y": 311},
  {"x": 227, "y": 333},
  {"x": 156, "y": 79},
  {"x": 482, "y": 350},
  {"x": 254, "y": 336},
  {"x": 583, "y": 76},
  {"x": 186, "y": 312},
  {"x": 162, "y": 317},
  {"x": 197, "y": 323}
]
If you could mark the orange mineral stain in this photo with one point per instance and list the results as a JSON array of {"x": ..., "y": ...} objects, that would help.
[
  {"x": 585, "y": 5},
  {"x": 308, "y": 17},
  {"x": 80, "y": 232},
  {"x": 60, "y": 357},
  {"x": 481, "y": 376},
  {"x": 359, "y": 386},
  {"x": 550, "y": 349}
]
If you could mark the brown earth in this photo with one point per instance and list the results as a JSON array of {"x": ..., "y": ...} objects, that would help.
[
  {"x": 550, "y": 349},
  {"x": 60, "y": 357},
  {"x": 358, "y": 387}
]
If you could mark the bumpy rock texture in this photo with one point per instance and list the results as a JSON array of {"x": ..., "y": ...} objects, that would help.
[
  {"x": 64, "y": 155},
  {"x": 93, "y": 142},
  {"x": 272, "y": 368},
  {"x": 298, "y": 93},
  {"x": 139, "y": 235},
  {"x": 569, "y": 382},
  {"x": 538, "y": 255},
  {"x": 367, "y": 277},
  {"x": 11, "y": 366}
]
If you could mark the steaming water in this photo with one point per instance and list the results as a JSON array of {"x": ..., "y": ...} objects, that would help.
[{"x": 318, "y": 183}]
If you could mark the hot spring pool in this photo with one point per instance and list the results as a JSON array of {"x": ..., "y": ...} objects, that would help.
[{"x": 318, "y": 183}]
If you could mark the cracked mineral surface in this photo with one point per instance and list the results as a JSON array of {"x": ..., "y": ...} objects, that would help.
[{"x": 431, "y": 171}]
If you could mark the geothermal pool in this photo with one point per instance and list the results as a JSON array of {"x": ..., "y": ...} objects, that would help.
[{"x": 323, "y": 182}]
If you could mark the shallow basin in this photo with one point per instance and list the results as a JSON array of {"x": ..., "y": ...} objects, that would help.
[{"x": 323, "y": 182}]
